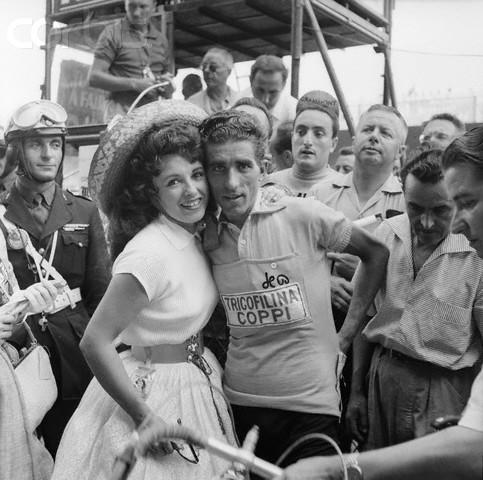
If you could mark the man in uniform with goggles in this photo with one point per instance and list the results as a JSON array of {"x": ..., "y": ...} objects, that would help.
[{"x": 68, "y": 241}]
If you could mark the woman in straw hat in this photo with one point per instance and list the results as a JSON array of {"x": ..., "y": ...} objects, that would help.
[{"x": 148, "y": 179}]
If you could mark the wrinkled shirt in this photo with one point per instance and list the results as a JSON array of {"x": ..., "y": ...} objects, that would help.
[{"x": 436, "y": 316}]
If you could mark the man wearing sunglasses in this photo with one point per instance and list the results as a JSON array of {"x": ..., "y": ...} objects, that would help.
[
  {"x": 130, "y": 56},
  {"x": 67, "y": 233},
  {"x": 216, "y": 66}
]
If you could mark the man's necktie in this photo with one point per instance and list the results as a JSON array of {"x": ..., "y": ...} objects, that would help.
[{"x": 39, "y": 210}]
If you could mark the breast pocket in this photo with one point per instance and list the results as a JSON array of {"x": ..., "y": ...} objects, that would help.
[
  {"x": 444, "y": 327},
  {"x": 74, "y": 256}
]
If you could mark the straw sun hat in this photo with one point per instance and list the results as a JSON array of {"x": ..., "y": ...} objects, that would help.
[{"x": 118, "y": 143}]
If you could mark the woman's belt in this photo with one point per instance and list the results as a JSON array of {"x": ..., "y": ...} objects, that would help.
[
  {"x": 190, "y": 351},
  {"x": 168, "y": 353}
]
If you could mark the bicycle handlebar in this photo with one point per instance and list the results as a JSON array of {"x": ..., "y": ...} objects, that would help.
[{"x": 154, "y": 434}]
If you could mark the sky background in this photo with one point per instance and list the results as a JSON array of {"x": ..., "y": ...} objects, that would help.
[{"x": 437, "y": 60}]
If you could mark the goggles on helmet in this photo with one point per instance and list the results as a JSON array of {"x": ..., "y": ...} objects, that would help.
[{"x": 37, "y": 115}]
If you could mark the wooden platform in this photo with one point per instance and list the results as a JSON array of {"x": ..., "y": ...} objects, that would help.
[{"x": 248, "y": 28}]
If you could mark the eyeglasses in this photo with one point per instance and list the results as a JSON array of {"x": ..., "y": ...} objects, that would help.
[
  {"x": 211, "y": 67},
  {"x": 194, "y": 451},
  {"x": 39, "y": 111},
  {"x": 180, "y": 447}
]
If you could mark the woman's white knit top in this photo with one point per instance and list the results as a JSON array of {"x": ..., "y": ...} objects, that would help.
[{"x": 168, "y": 262}]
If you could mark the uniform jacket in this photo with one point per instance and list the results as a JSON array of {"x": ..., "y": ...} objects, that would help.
[{"x": 81, "y": 257}]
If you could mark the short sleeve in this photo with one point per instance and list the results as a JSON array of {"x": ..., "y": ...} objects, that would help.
[
  {"x": 144, "y": 265},
  {"x": 333, "y": 229},
  {"x": 106, "y": 47}
]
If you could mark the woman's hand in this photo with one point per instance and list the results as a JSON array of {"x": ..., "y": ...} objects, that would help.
[
  {"x": 273, "y": 193},
  {"x": 158, "y": 446},
  {"x": 39, "y": 295},
  {"x": 6, "y": 326}
]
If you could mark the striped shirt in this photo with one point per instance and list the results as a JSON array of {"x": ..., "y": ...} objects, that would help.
[{"x": 436, "y": 316}]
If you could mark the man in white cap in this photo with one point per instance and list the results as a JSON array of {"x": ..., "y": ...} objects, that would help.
[{"x": 314, "y": 138}]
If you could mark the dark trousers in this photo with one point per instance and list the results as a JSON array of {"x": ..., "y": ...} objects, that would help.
[
  {"x": 345, "y": 438},
  {"x": 54, "y": 423},
  {"x": 406, "y": 395},
  {"x": 279, "y": 429}
]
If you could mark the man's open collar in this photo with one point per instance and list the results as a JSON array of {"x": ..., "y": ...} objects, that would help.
[
  {"x": 453, "y": 243},
  {"x": 260, "y": 207},
  {"x": 345, "y": 181},
  {"x": 151, "y": 32},
  {"x": 391, "y": 185}
]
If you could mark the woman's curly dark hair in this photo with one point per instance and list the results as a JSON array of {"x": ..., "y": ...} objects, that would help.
[{"x": 136, "y": 194}]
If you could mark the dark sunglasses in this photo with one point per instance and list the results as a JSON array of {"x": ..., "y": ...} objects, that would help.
[{"x": 211, "y": 67}]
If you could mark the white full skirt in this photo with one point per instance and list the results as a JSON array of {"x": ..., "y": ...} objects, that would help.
[{"x": 99, "y": 430}]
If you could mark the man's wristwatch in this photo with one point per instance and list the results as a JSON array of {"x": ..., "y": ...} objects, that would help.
[{"x": 354, "y": 471}]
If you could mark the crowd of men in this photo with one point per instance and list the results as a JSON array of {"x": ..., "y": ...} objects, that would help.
[{"x": 415, "y": 321}]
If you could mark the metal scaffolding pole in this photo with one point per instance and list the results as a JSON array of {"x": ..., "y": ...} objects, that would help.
[
  {"x": 389, "y": 90},
  {"x": 296, "y": 44},
  {"x": 48, "y": 50},
  {"x": 324, "y": 51},
  {"x": 388, "y": 78}
]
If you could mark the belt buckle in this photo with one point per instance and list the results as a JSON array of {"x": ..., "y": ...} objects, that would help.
[
  {"x": 195, "y": 356},
  {"x": 394, "y": 353},
  {"x": 400, "y": 356}
]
